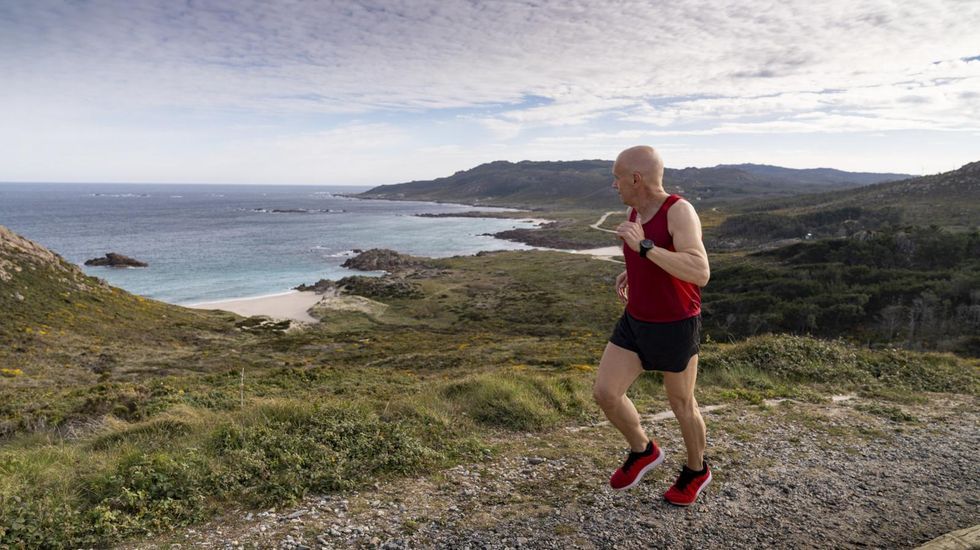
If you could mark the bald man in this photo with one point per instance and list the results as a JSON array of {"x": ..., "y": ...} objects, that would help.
[{"x": 666, "y": 266}]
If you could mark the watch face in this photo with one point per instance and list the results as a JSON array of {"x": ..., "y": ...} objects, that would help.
[{"x": 646, "y": 245}]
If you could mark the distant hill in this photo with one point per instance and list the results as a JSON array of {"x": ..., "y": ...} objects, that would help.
[
  {"x": 587, "y": 184},
  {"x": 817, "y": 176},
  {"x": 524, "y": 184},
  {"x": 949, "y": 199}
]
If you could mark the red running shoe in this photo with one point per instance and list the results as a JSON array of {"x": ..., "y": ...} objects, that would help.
[
  {"x": 636, "y": 466},
  {"x": 688, "y": 486}
]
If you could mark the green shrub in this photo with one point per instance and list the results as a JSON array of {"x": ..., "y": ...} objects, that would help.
[
  {"x": 519, "y": 402},
  {"x": 152, "y": 433},
  {"x": 792, "y": 358},
  {"x": 148, "y": 493},
  {"x": 177, "y": 469},
  {"x": 40, "y": 520},
  {"x": 282, "y": 451},
  {"x": 758, "y": 361}
]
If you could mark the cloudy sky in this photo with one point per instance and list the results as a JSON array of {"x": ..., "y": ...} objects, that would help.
[{"x": 389, "y": 91}]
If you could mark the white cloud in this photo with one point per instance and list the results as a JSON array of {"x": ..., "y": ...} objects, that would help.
[{"x": 514, "y": 70}]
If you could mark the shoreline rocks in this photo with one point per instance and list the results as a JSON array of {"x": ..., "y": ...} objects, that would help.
[
  {"x": 320, "y": 287},
  {"x": 382, "y": 259}
]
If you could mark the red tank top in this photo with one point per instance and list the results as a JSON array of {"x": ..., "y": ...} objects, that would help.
[{"x": 656, "y": 296}]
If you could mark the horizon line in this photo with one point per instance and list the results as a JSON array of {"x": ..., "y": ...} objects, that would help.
[{"x": 307, "y": 184}]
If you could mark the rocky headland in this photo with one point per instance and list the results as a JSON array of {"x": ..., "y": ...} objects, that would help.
[{"x": 399, "y": 269}]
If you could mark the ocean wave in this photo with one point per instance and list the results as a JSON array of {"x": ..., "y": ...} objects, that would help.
[
  {"x": 293, "y": 210},
  {"x": 121, "y": 195},
  {"x": 344, "y": 254}
]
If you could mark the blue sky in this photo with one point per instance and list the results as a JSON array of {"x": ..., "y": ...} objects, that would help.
[{"x": 384, "y": 92}]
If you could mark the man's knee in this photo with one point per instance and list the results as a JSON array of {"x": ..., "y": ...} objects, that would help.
[
  {"x": 606, "y": 397},
  {"x": 684, "y": 406}
]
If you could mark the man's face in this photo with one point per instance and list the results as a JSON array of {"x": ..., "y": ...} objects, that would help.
[{"x": 622, "y": 182}]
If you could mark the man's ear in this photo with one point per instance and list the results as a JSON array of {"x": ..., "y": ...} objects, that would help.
[{"x": 636, "y": 178}]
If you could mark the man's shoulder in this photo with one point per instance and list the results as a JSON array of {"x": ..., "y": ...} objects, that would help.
[
  {"x": 681, "y": 207},
  {"x": 682, "y": 216}
]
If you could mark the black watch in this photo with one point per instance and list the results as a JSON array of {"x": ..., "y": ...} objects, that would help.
[{"x": 646, "y": 245}]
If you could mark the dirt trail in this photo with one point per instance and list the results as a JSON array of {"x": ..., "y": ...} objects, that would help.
[
  {"x": 602, "y": 220},
  {"x": 837, "y": 474}
]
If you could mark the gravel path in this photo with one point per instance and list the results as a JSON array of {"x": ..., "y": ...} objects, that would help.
[{"x": 836, "y": 475}]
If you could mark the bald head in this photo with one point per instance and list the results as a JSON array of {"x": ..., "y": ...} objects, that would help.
[{"x": 643, "y": 160}]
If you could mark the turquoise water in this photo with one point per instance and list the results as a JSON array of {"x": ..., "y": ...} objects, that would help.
[{"x": 215, "y": 242}]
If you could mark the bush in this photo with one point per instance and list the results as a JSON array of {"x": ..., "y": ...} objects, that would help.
[
  {"x": 282, "y": 451},
  {"x": 165, "y": 473},
  {"x": 519, "y": 402},
  {"x": 148, "y": 493},
  {"x": 797, "y": 359}
]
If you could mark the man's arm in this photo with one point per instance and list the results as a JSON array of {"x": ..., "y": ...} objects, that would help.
[{"x": 690, "y": 261}]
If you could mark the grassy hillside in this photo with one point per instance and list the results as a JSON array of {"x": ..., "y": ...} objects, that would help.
[
  {"x": 439, "y": 364},
  {"x": 950, "y": 200},
  {"x": 76, "y": 340},
  {"x": 586, "y": 184}
]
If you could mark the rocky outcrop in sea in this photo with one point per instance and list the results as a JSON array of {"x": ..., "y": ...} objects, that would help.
[{"x": 112, "y": 259}]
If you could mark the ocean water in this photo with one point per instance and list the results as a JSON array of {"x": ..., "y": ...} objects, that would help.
[{"x": 215, "y": 242}]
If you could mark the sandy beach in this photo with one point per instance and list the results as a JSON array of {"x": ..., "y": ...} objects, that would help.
[
  {"x": 288, "y": 305},
  {"x": 608, "y": 253}
]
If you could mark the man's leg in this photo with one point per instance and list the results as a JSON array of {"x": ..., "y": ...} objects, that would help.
[
  {"x": 680, "y": 392},
  {"x": 617, "y": 370}
]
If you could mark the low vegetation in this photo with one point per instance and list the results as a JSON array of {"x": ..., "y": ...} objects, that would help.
[
  {"x": 913, "y": 288},
  {"x": 133, "y": 417},
  {"x": 121, "y": 417}
]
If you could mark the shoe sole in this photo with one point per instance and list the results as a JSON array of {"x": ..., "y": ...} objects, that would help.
[
  {"x": 643, "y": 472},
  {"x": 703, "y": 485}
]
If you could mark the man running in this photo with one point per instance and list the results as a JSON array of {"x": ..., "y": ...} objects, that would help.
[{"x": 666, "y": 265}]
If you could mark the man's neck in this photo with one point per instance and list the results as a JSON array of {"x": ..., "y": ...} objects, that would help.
[{"x": 648, "y": 206}]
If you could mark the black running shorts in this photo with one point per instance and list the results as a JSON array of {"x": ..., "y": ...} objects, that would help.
[{"x": 661, "y": 346}]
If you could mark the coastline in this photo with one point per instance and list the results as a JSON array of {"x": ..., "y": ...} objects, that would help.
[
  {"x": 504, "y": 208},
  {"x": 291, "y": 305}
]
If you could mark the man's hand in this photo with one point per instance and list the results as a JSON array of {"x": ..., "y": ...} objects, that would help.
[
  {"x": 631, "y": 233},
  {"x": 622, "y": 287}
]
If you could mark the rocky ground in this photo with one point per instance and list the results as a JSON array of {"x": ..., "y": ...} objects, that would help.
[{"x": 839, "y": 474}]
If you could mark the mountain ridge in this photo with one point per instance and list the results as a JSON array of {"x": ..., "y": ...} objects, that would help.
[
  {"x": 581, "y": 183},
  {"x": 950, "y": 199},
  {"x": 821, "y": 174}
]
